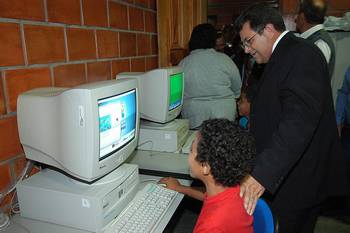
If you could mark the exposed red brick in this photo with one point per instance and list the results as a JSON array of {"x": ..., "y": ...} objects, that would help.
[
  {"x": 118, "y": 15},
  {"x": 19, "y": 165},
  {"x": 10, "y": 45},
  {"x": 138, "y": 65},
  {"x": 18, "y": 81},
  {"x": 9, "y": 140},
  {"x": 69, "y": 75},
  {"x": 81, "y": 44},
  {"x": 154, "y": 44},
  {"x": 136, "y": 19},
  {"x": 127, "y": 44},
  {"x": 2, "y": 99},
  {"x": 143, "y": 44},
  {"x": 151, "y": 63},
  {"x": 97, "y": 71},
  {"x": 143, "y": 3},
  {"x": 5, "y": 204},
  {"x": 95, "y": 12},
  {"x": 5, "y": 180},
  {"x": 152, "y": 4},
  {"x": 120, "y": 66},
  {"x": 22, "y": 9},
  {"x": 150, "y": 21},
  {"x": 44, "y": 44},
  {"x": 64, "y": 11},
  {"x": 107, "y": 44}
]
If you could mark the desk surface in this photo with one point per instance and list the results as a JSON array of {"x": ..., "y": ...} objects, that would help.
[{"x": 24, "y": 225}]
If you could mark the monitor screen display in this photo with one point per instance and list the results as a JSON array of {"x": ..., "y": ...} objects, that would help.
[
  {"x": 176, "y": 85},
  {"x": 117, "y": 122}
]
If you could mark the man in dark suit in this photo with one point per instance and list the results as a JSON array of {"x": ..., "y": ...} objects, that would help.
[{"x": 299, "y": 159}]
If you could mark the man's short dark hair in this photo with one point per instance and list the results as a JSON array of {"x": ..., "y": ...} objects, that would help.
[
  {"x": 203, "y": 36},
  {"x": 314, "y": 10},
  {"x": 259, "y": 15},
  {"x": 227, "y": 149}
]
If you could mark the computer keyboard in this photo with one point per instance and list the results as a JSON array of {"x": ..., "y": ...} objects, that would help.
[
  {"x": 144, "y": 211},
  {"x": 186, "y": 148}
]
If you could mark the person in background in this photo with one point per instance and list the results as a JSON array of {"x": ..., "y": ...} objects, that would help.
[
  {"x": 220, "y": 42},
  {"x": 343, "y": 113},
  {"x": 251, "y": 76},
  {"x": 212, "y": 80},
  {"x": 232, "y": 47},
  {"x": 244, "y": 110},
  {"x": 309, "y": 22},
  {"x": 299, "y": 161},
  {"x": 220, "y": 157},
  {"x": 213, "y": 20}
]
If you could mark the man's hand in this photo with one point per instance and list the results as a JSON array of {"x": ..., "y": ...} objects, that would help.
[{"x": 250, "y": 191}]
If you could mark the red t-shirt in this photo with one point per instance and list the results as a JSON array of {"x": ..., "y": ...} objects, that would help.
[{"x": 224, "y": 213}]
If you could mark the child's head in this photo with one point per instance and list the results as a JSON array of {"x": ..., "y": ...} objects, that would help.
[
  {"x": 244, "y": 105},
  {"x": 224, "y": 151}
]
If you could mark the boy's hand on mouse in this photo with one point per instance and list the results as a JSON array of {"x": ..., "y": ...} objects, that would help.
[{"x": 171, "y": 183}]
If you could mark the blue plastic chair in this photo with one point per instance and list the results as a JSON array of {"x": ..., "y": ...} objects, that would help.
[{"x": 264, "y": 221}]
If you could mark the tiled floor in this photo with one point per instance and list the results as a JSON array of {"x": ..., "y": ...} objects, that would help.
[
  {"x": 187, "y": 213},
  {"x": 331, "y": 225}
]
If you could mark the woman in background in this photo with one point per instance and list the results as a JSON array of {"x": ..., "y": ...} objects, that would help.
[{"x": 212, "y": 80}]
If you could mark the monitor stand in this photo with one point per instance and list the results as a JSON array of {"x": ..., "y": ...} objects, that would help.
[
  {"x": 115, "y": 176},
  {"x": 167, "y": 137}
]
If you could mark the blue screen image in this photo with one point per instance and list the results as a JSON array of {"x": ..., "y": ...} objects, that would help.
[{"x": 117, "y": 122}]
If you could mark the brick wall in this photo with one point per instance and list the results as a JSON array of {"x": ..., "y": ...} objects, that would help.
[{"x": 66, "y": 43}]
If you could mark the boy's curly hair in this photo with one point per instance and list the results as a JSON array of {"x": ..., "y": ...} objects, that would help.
[{"x": 227, "y": 149}]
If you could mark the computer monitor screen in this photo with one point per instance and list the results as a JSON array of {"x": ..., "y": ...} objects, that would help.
[
  {"x": 86, "y": 131},
  {"x": 161, "y": 93},
  {"x": 117, "y": 119},
  {"x": 176, "y": 89}
]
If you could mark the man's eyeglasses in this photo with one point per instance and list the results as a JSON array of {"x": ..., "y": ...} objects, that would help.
[{"x": 248, "y": 42}]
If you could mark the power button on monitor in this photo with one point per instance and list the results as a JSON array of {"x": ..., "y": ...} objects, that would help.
[{"x": 81, "y": 116}]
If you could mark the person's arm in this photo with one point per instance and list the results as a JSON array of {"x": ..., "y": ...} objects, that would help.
[
  {"x": 326, "y": 51},
  {"x": 342, "y": 98},
  {"x": 236, "y": 84},
  {"x": 174, "y": 184}
]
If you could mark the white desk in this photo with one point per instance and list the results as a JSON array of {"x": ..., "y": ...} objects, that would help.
[{"x": 25, "y": 225}]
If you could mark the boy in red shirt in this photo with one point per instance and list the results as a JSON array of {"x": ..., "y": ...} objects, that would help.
[{"x": 221, "y": 156}]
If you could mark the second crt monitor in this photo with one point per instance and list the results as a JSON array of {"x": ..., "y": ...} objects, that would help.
[
  {"x": 161, "y": 93},
  {"x": 161, "y": 98}
]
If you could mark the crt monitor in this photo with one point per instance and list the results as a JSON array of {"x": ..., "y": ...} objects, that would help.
[
  {"x": 161, "y": 93},
  {"x": 86, "y": 131}
]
